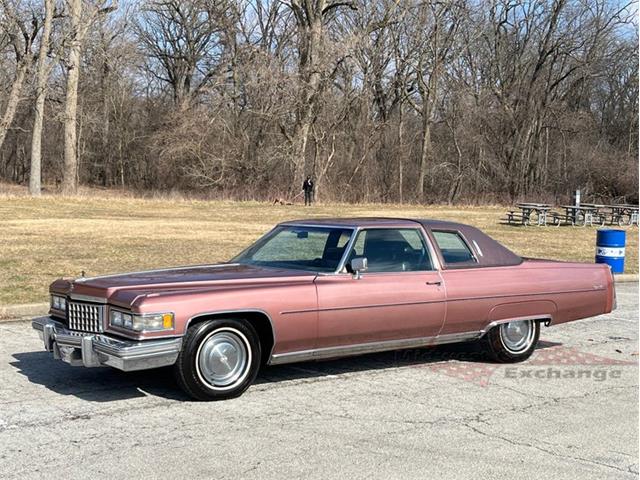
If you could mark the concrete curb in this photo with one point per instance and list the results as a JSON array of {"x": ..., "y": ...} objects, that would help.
[
  {"x": 626, "y": 277},
  {"x": 13, "y": 312}
]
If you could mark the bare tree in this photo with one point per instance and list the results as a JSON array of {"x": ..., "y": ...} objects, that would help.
[
  {"x": 21, "y": 28},
  {"x": 80, "y": 20},
  {"x": 385, "y": 100},
  {"x": 42, "y": 74},
  {"x": 183, "y": 44},
  {"x": 430, "y": 43},
  {"x": 316, "y": 68}
]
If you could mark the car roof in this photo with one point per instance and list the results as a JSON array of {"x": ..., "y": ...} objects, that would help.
[
  {"x": 353, "y": 222},
  {"x": 488, "y": 252},
  {"x": 365, "y": 222}
]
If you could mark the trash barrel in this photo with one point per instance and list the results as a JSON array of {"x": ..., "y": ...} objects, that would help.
[{"x": 610, "y": 249}]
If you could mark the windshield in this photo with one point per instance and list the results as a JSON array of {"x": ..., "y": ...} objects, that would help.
[{"x": 317, "y": 249}]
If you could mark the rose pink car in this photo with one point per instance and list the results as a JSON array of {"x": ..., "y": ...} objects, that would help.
[{"x": 319, "y": 289}]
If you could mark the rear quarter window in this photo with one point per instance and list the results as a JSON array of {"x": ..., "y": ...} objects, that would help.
[{"x": 453, "y": 247}]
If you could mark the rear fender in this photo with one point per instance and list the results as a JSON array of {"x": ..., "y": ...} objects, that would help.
[{"x": 532, "y": 310}]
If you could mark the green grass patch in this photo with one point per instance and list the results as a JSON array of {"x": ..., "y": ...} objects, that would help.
[{"x": 49, "y": 237}]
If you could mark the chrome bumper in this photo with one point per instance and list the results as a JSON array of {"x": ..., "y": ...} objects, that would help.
[{"x": 95, "y": 350}]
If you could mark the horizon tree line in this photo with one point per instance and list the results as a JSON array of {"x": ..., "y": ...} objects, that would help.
[{"x": 387, "y": 100}]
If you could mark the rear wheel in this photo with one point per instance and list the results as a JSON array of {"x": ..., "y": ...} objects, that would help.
[
  {"x": 513, "y": 341},
  {"x": 219, "y": 359}
]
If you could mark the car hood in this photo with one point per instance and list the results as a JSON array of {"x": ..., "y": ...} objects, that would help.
[{"x": 127, "y": 288}]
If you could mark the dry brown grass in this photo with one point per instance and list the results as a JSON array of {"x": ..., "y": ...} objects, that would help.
[{"x": 42, "y": 239}]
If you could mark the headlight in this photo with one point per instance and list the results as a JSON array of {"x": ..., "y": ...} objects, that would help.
[
  {"x": 58, "y": 303},
  {"x": 116, "y": 318},
  {"x": 127, "y": 321},
  {"x": 139, "y": 323}
]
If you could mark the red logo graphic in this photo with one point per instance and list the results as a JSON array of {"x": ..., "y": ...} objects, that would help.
[{"x": 557, "y": 356}]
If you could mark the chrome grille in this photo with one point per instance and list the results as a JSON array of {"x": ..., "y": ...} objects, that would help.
[{"x": 85, "y": 317}]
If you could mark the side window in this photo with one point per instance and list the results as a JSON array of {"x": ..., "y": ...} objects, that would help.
[
  {"x": 454, "y": 249},
  {"x": 392, "y": 250},
  {"x": 335, "y": 245}
]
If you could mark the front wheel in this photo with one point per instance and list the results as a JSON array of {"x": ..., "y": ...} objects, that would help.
[
  {"x": 219, "y": 359},
  {"x": 512, "y": 342}
]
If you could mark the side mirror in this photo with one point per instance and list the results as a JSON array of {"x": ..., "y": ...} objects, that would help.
[{"x": 358, "y": 265}]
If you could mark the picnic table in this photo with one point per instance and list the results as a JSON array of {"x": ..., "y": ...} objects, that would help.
[
  {"x": 540, "y": 214},
  {"x": 618, "y": 214},
  {"x": 584, "y": 214},
  {"x": 528, "y": 210}
]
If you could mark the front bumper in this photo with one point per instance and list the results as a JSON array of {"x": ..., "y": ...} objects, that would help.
[{"x": 95, "y": 349}]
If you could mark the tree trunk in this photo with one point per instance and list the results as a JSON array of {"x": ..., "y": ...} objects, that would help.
[
  {"x": 300, "y": 154},
  {"x": 400, "y": 154},
  {"x": 106, "y": 151},
  {"x": 35, "y": 176},
  {"x": 310, "y": 32},
  {"x": 70, "y": 172},
  {"x": 14, "y": 98},
  {"x": 455, "y": 184},
  {"x": 425, "y": 151},
  {"x": 323, "y": 169}
]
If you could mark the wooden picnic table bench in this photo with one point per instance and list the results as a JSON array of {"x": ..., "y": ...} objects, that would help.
[
  {"x": 583, "y": 214},
  {"x": 514, "y": 217},
  {"x": 617, "y": 214},
  {"x": 621, "y": 211},
  {"x": 529, "y": 209}
]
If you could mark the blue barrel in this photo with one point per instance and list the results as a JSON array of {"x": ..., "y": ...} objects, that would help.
[{"x": 610, "y": 249}]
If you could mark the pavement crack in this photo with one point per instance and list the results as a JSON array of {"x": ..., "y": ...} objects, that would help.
[{"x": 543, "y": 450}]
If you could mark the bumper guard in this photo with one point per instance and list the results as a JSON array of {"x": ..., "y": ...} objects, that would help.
[{"x": 95, "y": 350}]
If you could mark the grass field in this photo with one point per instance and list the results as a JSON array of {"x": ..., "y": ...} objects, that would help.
[{"x": 42, "y": 239}]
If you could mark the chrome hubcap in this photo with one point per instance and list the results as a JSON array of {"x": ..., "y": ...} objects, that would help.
[
  {"x": 517, "y": 336},
  {"x": 223, "y": 358}
]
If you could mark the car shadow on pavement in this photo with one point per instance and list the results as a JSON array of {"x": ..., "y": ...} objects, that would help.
[
  {"x": 107, "y": 384},
  {"x": 95, "y": 384},
  {"x": 461, "y": 352}
]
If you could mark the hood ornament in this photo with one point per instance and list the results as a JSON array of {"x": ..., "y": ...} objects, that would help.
[{"x": 81, "y": 278}]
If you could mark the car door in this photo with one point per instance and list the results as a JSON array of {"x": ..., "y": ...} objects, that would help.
[{"x": 400, "y": 296}]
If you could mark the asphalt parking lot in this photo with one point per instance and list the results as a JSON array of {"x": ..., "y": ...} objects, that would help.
[{"x": 571, "y": 411}]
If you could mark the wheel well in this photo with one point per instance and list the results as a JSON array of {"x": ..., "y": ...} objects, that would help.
[
  {"x": 542, "y": 320},
  {"x": 258, "y": 320}
]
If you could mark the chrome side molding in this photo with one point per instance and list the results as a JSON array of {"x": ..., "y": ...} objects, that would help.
[
  {"x": 373, "y": 347},
  {"x": 547, "y": 319}
]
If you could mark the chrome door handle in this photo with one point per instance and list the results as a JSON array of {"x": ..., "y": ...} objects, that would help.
[{"x": 437, "y": 282}]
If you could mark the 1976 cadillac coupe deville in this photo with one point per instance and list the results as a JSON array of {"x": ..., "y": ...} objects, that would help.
[{"x": 318, "y": 289}]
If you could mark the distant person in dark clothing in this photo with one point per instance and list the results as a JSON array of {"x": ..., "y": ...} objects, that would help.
[{"x": 307, "y": 187}]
